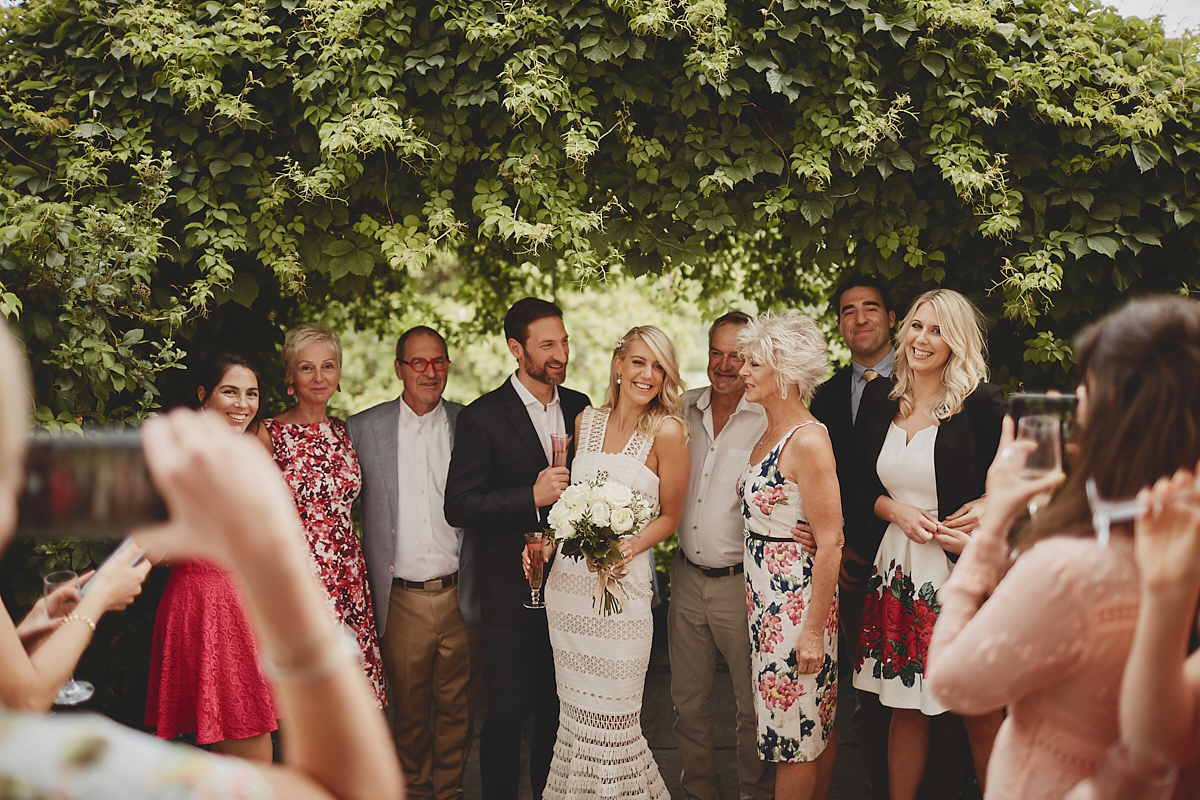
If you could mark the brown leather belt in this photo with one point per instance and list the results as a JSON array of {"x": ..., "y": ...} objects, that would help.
[
  {"x": 434, "y": 585},
  {"x": 717, "y": 572}
]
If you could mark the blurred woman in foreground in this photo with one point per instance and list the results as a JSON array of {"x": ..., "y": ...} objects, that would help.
[
  {"x": 204, "y": 675},
  {"x": 227, "y": 504},
  {"x": 1049, "y": 637}
]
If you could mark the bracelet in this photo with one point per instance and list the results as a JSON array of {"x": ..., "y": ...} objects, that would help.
[
  {"x": 74, "y": 617},
  {"x": 328, "y": 660}
]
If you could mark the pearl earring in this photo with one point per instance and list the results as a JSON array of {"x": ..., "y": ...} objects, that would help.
[{"x": 618, "y": 380}]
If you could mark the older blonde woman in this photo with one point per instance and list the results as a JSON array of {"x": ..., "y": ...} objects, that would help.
[
  {"x": 637, "y": 439},
  {"x": 791, "y": 595},
  {"x": 924, "y": 447},
  {"x": 320, "y": 467}
]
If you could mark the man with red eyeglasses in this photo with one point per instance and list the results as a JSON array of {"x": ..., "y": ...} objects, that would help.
[{"x": 419, "y": 568}]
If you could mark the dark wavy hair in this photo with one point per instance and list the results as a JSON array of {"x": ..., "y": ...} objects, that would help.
[
  {"x": 213, "y": 369},
  {"x": 1141, "y": 368}
]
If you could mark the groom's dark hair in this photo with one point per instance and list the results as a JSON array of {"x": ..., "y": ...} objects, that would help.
[{"x": 524, "y": 313}]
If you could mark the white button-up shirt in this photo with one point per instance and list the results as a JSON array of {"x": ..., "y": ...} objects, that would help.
[
  {"x": 427, "y": 547},
  {"x": 546, "y": 419},
  {"x": 712, "y": 527}
]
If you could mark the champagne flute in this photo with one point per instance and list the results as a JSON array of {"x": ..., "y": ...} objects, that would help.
[
  {"x": 1046, "y": 432},
  {"x": 73, "y": 692},
  {"x": 558, "y": 446},
  {"x": 534, "y": 545}
]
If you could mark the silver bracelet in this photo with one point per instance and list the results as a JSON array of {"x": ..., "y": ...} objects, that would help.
[{"x": 330, "y": 658}]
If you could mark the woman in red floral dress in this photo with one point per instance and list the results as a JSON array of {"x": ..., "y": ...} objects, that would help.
[{"x": 321, "y": 469}]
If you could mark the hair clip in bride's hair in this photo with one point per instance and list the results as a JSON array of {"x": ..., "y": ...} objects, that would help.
[{"x": 619, "y": 344}]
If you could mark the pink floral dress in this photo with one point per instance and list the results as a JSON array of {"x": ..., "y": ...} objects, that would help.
[
  {"x": 321, "y": 469},
  {"x": 795, "y": 712}
]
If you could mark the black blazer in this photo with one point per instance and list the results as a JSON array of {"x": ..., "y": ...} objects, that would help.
[
  {"x": 966, "y": 444},
  {"x": 489, "y": 493},
  {"x": 831, "y": 405}
]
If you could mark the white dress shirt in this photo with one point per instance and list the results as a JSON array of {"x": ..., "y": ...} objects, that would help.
[
  {"x": 546, "y": 419},
  {"x": 427, "y": 547},
  {"x": 712, "y": 528}
]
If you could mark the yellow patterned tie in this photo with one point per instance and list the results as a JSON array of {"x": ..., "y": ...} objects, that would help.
[{"x": 870, "y": 375}]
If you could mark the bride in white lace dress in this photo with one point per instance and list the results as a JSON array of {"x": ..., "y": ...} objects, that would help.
[{"x": 638, "y": 439}]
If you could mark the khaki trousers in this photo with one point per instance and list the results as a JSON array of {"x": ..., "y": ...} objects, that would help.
[
  {"x": 433, "y": 659},
  {"x": 706, "y": 616}
]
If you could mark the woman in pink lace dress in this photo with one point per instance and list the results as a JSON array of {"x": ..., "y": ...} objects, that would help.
[
  {"x": 321, "y": 469},
  {"x": 204, "y": 674},
  {"x": 1048, "y": 636}
]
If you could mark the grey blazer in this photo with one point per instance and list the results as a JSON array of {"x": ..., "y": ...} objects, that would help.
[{"x": 376, "y": 437}]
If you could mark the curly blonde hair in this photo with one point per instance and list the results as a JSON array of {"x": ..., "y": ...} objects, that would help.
[
  {"x": 669, "y": 402},
  {"x": 789, "y": 343},
  {"x": 961, "y": 328}
]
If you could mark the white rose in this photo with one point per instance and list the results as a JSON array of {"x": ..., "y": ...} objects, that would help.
[
  {"x": 558, "y": 516},
  {"x": 576, "y": 512},
  {"x": 573, "y": 495},
  {"x": 618, "y": 495},
  {"x": 595, "y": 494},
  {"x": 599, "y": 514},
  {"x": 621, "y": 520}
]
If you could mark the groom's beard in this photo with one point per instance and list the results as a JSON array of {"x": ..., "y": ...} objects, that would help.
[{"x": 551, "y": 373}]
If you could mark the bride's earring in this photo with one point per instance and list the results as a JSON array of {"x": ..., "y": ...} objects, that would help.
[
  {"x": 783, "y": 394},
  {"x": 618, "y": 380}
]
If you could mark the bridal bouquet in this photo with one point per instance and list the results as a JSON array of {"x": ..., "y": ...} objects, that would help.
[{"x": 589, "y": 520}]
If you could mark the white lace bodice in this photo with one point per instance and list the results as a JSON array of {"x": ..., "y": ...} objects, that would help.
[{"x": 627, "y": 467}]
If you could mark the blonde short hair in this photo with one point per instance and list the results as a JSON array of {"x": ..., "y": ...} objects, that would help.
[
  {"x": 669, "y": 402},
  {"x": 789, "y": 343},
  {"x": 303, "y": 336},
  {"x": 961, "y": 327}
]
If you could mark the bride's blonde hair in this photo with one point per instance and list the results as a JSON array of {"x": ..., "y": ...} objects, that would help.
[
  {"x": 960, "y": 326},
  {"x": 669, "y": 402}
]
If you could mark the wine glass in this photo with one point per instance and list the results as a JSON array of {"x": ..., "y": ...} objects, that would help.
[
  {"x": 73, "y": 692},
  {"x": 534, "y": 545},
  {"x": 558, "y": 446},
  {"x": 1045, "y": 431}
]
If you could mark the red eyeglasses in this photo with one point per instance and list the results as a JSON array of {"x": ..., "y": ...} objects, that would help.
[{"x": 419, "y": 365}]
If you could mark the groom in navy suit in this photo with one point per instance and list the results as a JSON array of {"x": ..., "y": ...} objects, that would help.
[{"x": 500, "y": 487}]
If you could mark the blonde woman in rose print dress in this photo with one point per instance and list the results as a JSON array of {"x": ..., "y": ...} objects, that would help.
[
  {"x": 925, "y": 446},
  {"x": 320, "y": 467},
  {"x": 791, "y": 596}
]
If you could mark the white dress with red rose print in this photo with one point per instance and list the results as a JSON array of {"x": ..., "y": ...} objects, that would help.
[
  {"x": 901, "y": 606},
  {"x": 600, "y": 662},
  {"x": 795, "y": 712}
]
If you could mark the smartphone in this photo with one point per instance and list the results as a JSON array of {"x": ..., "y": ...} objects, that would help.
[
  {"x": 127, "y": 546},
  {"x": 1061, "y": 406},
  {"x": 93, "y": 485}
]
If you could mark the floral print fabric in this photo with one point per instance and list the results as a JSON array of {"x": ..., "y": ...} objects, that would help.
[
  {"x": 321, "y": 469},
  {"x": 901, "y": 606},
  {"x": 795, "y": 712},
  {"x": 89, "y": 757}
]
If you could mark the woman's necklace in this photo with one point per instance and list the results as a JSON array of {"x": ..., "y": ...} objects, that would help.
[{"x": 765, "y": 436}]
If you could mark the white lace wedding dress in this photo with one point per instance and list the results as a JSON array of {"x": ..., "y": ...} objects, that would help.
[{"x": 600, "y": 662}]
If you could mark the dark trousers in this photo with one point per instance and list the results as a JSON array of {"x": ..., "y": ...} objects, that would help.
[{"x": 518, "y": 675}]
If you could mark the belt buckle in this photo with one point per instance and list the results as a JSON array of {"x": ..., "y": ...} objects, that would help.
[{"x": 434, "y": 585}]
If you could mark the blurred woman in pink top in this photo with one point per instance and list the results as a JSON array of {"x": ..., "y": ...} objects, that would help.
[{"x": 1048, "y": 637}]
